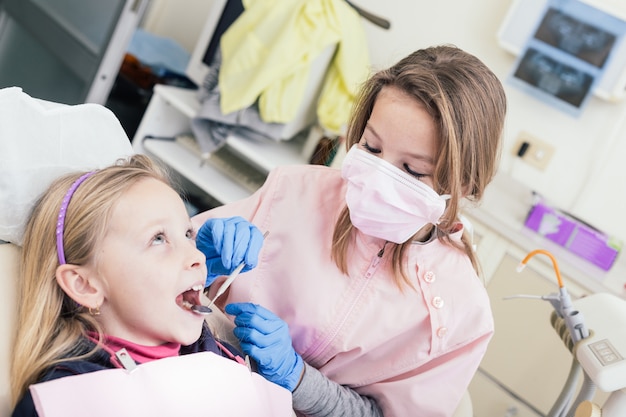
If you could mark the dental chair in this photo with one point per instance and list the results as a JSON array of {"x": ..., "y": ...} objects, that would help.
[{"x": 40, "y": 141}]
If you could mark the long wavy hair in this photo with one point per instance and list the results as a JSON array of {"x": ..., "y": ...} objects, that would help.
[
  {"x": 468, "y": 104},
  {"x": 50, "y": 324}
]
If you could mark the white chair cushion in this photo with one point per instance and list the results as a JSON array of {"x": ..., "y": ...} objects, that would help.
[{"x": 41, "y": 141}]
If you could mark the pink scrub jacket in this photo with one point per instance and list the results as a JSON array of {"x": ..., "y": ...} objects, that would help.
[{"x": 413, "y": 350}]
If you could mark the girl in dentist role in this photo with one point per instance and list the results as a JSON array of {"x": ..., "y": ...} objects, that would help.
[
  {"x": 369, "y": 274},
  {"x": 110, "y": 270}
]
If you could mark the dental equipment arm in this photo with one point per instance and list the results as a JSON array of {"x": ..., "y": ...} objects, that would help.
[
  {"x": 562, "y": 303},
  {"x": 602, "y": 354},
  {"x": 598, "y": 345}
]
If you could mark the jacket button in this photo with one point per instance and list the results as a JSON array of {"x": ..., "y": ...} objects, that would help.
[
  {"x": 437, "y": 302},
  {"x": 429, "y": 276},
  {"x": 442, "y": 331}
]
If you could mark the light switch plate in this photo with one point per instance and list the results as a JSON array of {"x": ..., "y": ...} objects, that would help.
[{"x": 538, "y": 152}]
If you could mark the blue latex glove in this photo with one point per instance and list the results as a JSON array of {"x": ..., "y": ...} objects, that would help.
[
  {"x": 266, "y": 338},
  {"x": 226, "y": 243}
]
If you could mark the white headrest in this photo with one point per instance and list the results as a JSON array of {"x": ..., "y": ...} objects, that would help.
[{"x": 40, "y": 141}]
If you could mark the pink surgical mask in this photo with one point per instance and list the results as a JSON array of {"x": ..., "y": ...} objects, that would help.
[{"x": 386, "y": 202}]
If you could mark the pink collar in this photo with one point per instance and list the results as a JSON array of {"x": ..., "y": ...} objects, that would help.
[{"x": 139, "y": 353}]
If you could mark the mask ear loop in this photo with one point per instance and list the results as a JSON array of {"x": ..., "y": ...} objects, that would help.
[
  {"x": 446, "y": 198},
  {"x": 438, "y": 231}
]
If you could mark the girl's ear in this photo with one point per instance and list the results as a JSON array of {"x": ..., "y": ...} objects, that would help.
[{"x": 73, "y": 280}]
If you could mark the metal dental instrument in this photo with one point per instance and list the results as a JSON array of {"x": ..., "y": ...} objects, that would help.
[
  {"x": 227, "y": 283},
  {"x": 200, "y": 309}
]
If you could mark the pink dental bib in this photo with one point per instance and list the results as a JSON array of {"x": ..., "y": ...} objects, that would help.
[{"x": 197, "y": 384}]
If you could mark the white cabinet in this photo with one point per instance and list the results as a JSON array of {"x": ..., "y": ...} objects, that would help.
[{"x": 168, "y": 115}]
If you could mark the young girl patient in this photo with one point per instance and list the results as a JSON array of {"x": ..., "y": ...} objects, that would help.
[{"x": 109, "y": 267}]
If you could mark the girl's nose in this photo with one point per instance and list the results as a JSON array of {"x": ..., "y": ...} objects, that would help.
[{"x": 197, "y": 258}]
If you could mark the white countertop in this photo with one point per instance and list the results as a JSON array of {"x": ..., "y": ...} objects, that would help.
[{"x": 504, "y": 208}]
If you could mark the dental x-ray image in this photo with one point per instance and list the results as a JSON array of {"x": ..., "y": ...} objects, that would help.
[
  {"x": 571, "y": 35},
  {"x": 553, "y": 77},
  {"x": 567, "y": 51}
]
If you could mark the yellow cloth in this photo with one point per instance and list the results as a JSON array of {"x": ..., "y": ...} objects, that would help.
[{"x": 267, "y": 54}]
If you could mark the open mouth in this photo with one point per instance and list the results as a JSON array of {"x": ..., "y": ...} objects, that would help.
[{"x": 190, "y": 297}]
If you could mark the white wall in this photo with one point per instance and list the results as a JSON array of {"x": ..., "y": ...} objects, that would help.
[{"x": 584, "y": 176}]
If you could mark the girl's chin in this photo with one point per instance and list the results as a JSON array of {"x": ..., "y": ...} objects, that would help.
[{"x": 190, "y": 337}]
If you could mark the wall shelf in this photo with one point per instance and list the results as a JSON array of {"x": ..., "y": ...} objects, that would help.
[{"x": 169, "y": 114}]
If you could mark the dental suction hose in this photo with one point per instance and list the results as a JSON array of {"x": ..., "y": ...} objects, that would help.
[
  {"x": 562, "y": 303},
  {"x": 570, "y": 326}
]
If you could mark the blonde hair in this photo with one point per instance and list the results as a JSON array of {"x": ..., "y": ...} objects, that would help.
[
  {"x": 50, "y": 324},
  {"x": 468, "y": 104}
]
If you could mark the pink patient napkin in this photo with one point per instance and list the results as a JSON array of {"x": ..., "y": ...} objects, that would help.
[{"x": 199, "y": 384}]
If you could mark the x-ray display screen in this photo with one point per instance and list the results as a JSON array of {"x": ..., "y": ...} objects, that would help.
[
  {"x": 576, "y": 37},
  {"x": 567, "y": 54},
  {"x": 556, "y": 78}
]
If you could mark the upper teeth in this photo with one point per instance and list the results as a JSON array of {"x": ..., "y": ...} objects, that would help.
[{"x": 197, "y": 287}]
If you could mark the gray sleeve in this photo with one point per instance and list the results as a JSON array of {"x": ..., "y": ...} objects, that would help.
[{"x": 318, "y": 396}]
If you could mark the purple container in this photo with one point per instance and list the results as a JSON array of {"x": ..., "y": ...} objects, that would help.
[{"x": 573, "y": 234}]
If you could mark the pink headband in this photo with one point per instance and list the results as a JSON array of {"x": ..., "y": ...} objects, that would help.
[{"x": 62, "y": 210}]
